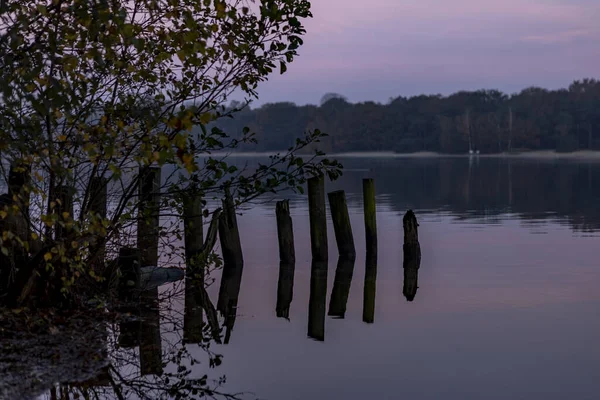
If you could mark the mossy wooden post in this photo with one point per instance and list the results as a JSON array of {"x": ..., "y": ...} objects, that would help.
[
  {"x": 370, "y": 211},
  {"x": 412, "y": 255},
  {"x": 341, "y": 225},
  {"x": 318, "y": 218},
  {"x": 149, "y": 214},
  {"x": 98, "y": 206},
  {"x": 233, "y": 264},
  {"x": 318, "y": 300},
  {"x": 341, "y": 287},
  {"x": 150, "y": 338},
  {"x": 129, "y": 266},
  {"x": 285, "y": 232},
  {"x": 370, "y": 288},
  {"x": 285, "y": 290}
]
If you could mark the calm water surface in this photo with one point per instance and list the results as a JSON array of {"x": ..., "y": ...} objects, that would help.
[{"x": 508, "y": 305}]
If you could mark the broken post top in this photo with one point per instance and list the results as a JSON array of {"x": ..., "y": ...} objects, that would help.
[{"x": 411, "y": 234}]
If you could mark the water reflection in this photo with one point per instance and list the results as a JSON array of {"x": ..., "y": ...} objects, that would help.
[
  {"x": 318, "y": 300},
  {"x": 285, "y": 290},
  {"x": 370, "y": 287},
  {"x": 341, "y": 287}
]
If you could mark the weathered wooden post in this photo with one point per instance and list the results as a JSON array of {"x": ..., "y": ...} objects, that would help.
[
  {"x": 412, "y": 255},
  {"x": 285, "y": 290},
  {"x": 318, "y": 218},
  {"x": 370, "y": 288},
  {"x": 370, "y": 211},
  {"x": 150, "y": 338},
  {"x": 318, "y": 300},
  {"x": 129, "y": 265},
  {"x": 285, "y": 232},
  {"x": 341, "y": 287},
  {"x": 149, "y": 214},
  {"x": 341, "y": 224},
  {"x": 233, "y": 264}
]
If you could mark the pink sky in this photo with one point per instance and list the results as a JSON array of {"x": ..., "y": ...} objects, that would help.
[{"x": 377, "y": 49}]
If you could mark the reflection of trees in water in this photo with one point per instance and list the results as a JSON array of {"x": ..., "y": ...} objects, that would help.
[
  {"x": 147, "y": 357},
  {"x": 533, "y": 189}
]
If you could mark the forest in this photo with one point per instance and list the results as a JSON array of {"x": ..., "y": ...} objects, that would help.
[{"x": 487, "y": 121}]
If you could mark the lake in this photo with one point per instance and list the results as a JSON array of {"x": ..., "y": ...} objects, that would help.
[{"x": 507, "y": 306}]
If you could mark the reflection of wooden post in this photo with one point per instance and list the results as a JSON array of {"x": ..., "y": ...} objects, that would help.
[
  {"x": 193, "y": 317},
  {"x": 149, "y": 211},
  {"x": 285, "y": 232},
  {"x": 318, "y": 221},
  {"x": 150, "y": 339},
  {"x": 193, "y": 321},
  {"x": 233, "y": 264},
  {"x": 98, "y": 205},
  {"x": 64, "y": 209},
  {"x": 412, "y": 255},
  {"x": 341, "y": 287},
  {"x": 287, "y": 257},
  {"x": 285, "y": 290},
  {"x": 370, "y": 211},
  {"x": 370, "y": 288},
  {"x": 341, "y": 224},
  {"x": 129, "y": 265},
  {"x": 318, "y": 300},
  {"x": 193, "y": 231}
]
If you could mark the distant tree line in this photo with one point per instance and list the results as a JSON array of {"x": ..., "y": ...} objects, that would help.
[{"x": 488, "y": 121}]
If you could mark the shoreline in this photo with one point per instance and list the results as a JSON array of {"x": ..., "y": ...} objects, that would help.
[{"x": 535, "y": 154}]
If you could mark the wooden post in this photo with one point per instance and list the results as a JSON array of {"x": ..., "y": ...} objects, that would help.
[
  {"x": 129, "y": 265},
  {"x": 233, "y": 264},
  {"x": 318, "y": 221},
  {"x": 370, "y": 211},
  {"x": 193, "y": 317},
  {"x": 149, "y": 214},
  {"x": 341, "y": 224},
  {"x": 150, "y": 338},
  {"x": 370, "y": 288},
  {"x": 412, "y": 255},
  {"x": 341, "y": 287},
  {"x": 285, "y": 233},
  {"x": 317, "y": 301},
  {"x": 285, "y": 290}
]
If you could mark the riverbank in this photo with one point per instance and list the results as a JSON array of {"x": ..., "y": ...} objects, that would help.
[{"x": 543, "y": 154}]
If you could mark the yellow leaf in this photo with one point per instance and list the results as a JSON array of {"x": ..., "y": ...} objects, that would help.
[
  {"x": 65, "y": 215},
  {"x": 34, "y": 236},
  {"x": 62, "y": 138},
  {"x": 74, "y": 244},
  {"x": 3, "y": 214},
  {"x": 48, "y": 256}
]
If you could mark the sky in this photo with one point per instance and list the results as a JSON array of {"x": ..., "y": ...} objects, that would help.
[{"x": 374, "y": 50}]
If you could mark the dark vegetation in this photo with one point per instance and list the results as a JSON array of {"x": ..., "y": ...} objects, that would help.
[{"x": 534, "y": 119}]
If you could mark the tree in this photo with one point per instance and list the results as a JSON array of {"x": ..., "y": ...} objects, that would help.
[{"x": 111, "y": 89}]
